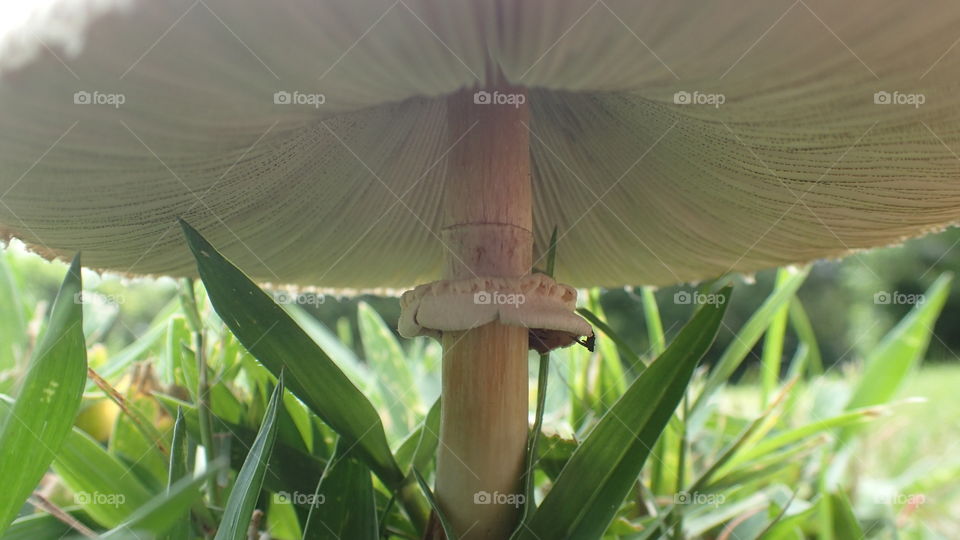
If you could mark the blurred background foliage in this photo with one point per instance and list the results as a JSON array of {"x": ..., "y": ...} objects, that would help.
[
  {"x": 838, "y": 296},
  {"x": 903, "y": 465}
]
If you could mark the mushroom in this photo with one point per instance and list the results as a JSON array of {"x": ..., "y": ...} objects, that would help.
[{"x": 381, "y": 145}]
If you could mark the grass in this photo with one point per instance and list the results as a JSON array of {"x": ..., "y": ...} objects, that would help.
[
  {"x": 745, "y": 460},
  {"x": 911, "y": 455}
]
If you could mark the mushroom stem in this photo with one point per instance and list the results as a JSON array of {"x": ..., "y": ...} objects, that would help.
[{"x": 488, "y": 223}]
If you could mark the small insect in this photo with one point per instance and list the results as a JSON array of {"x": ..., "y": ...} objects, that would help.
[{"x": 544, "y": 341}]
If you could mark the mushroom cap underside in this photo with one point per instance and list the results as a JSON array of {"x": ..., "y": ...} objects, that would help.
[{"x": 670, "y": 141}]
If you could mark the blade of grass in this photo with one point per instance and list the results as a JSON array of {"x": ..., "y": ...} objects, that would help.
[
  {"x": 632, "y": 357},
  {"x": 345, "y": 506},
  {"x": 763, "y": 421},
  {"x": 385, "y": 356},
  {"x": 48, "y": 401},
  {"x": 900, "y": 350},
  {"x": 651, "y": 315},
  {"x": 272, "y": 337},
  {"x": 780, "y": 440},
  {"x": 801, "y": 325},
  {"x": 444, "y": 522},
  {"x": 292, "y": 468},
  {"x": 246, "y": 489},
  {"x": 178, "y": 470},
  {"x": 104, "y": 486},
  {"x": 13, "y": 331},
  {"x": 529, "y": 503},
  {"x": 160, "y": 513},
  {"x": 845, "y": 524},
  {"x": 418, "y": 449},
  {"x": 772, "y": 355},
  {"x": 597, "y": 478},
  {"x": 748, "y": 336}
]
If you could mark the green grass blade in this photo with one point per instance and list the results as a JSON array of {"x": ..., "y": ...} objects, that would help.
[
  {"x": 748, "y": 336},
  {"x": 651, "y": 314},
  {"x": 176, "y": 471},
  {"x": 772, "y": 356},
  {"x": 773, "y": 443},
  {"x": 342, "y": 355},
  {"x": 599, "y": 324},
  {"x": 246, "y": 489},
  {"x": 47, "y": 402},
  {"x": 552, "y": 253},
  {"x": 611, "y": 382},
  {"x": 592, "y": 486},
  {"x": 105, "y": 487},
  {"x": 13, "y": 331},
  {"x": 900, "y": 350},
  {"x": 419, "y": 448},
  {"x": 441, "y": 517},
  {"x": 801, "y": 325},
  {"x": 292, "y": 468},
  {"x": 272, "y": 337},
  {"x": 159, "y": 514},
  {"x": 845, "y": 524},
  {"x": 543, "y": 376},
  {"x": 385, "y": 356},
  {"x": 529, "y": 486},
  {"x": 39, "y": 525},
  {"x": 346, "y": 507}
]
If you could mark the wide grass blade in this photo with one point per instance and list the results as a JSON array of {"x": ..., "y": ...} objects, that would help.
[
  {"x": 246, "y": 489},
  {"x": 900, "y": 350},
  {"x": 48, "y": 400},
  {"x": 272, "y": 337},
  {"x": 345, "y": 506},
  {"x": 105, "y": 487},
  {"x": 602, "y": 471}
]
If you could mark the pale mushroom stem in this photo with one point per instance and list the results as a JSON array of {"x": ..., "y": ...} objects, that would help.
[{"x": 488, "y": 224}]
